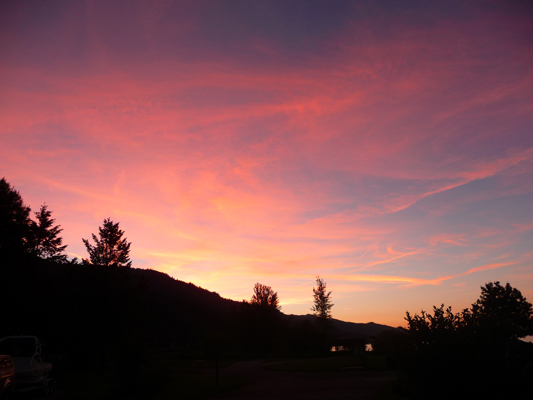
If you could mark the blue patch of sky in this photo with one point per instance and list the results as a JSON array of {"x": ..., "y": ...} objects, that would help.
[
  {"x": 350, "y": 191},
  {"x": 136, "y": 262}
]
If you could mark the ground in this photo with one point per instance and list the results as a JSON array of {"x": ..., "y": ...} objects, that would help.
[
  {"x": 304, "y": 378},
  {"x": 264, "y": 383}
]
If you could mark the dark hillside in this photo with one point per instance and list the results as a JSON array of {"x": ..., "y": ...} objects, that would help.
[
  {"x": 102, "y": 309},
  {"x": 69, "y": 304},
  {"x": 181, "y": 314},
  {"x": 161, "y": 284},
  {"x": 366, "y": 329}
]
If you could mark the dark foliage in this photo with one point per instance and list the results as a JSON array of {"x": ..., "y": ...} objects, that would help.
[
  {"x": 23, "y": 239},
  {"x": 16, "y": 236},
  {"x": 47, "y": 242},
  {"x": 478, "y": 350},
  {"x": 322, "y": 301},
  {"x": 110, "y": 249},
  {"x": 502, "y": 311},
  {"x": 264, "y": 296},
  {"x": 392, "y": 343},
  {"x": 114, "y": 320}
]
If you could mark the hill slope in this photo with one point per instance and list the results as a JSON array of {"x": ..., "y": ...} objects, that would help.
[
  {"x": 342, "y": 327},
  {"x": 167, "y": 286}
]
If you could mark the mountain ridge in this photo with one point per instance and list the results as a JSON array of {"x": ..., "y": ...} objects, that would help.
[{"x": 164, "y": 284}]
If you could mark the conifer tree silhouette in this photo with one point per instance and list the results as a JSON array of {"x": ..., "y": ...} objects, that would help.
[
  {"x": 15, "y": 222},
  {"x": 110, "y": 249},
  {"x": 48, "y": 244},
  {"x": 322, "y": 301}
]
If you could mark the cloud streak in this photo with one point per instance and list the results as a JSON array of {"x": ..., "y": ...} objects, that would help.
[{"x": 279, "y": 141}]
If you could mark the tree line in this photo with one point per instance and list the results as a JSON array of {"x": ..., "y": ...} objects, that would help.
[
  {"x": 102, "y": 302},
  {"x": 475, "y": 353},
  {"x": 264, "y": 296},
  {"x": 41, "y": 238},
  {"x": 21, "y": 236},
  {"x": 100, "y": 310}
]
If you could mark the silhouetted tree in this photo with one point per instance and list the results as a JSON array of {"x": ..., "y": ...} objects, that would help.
[
  {"x": 48, "y": 244},
  {"x": 477, "y": 349},
  {"x": 264, "y": 296},
  {"x": 392, "y": 343},
  {"x": 110, "y": 250},
  {"x": 503, "y": 311},
  {"x": 16, "y": 236},
  {"x": 427, "y": 329},
  {"x": 500, "y": 314},
  {"x": 322, "y": 301}
]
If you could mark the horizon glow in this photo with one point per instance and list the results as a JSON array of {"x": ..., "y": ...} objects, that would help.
[{"x": 386, "y": 148}]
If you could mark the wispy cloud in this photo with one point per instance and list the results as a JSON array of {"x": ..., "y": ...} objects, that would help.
[{"x": 381, "y": 151}]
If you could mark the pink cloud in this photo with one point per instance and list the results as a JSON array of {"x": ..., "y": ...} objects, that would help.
[
  {"x": 221, "y": 164},
  {"x": 454, "y": 239}
]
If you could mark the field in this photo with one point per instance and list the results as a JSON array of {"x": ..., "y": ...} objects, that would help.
[{"x": 335, "y": 377}]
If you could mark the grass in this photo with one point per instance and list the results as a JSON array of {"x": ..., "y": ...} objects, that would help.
[
  {"x": 199, "y": 386},
  {"x": 187, "y": 381},
  {"x": 332, "y": 364},
  {"x": 82, "y": 385},
  {"x": 391, "y": 391},
  {"x": 195, "y": 379}
]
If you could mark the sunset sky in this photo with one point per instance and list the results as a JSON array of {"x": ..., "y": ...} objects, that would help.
[{"x": 385, "y": 146}]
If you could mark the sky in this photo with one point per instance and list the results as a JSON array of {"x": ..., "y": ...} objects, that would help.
[{"x": 384, "y": 146}]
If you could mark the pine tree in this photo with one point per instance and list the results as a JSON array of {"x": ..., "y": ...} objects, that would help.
[
  {"x": 15, "y": 222},
  {"x": 110, "y": 250},
  {"x": 322, "y": 301},
  {"x": 48, "y": 244}
]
